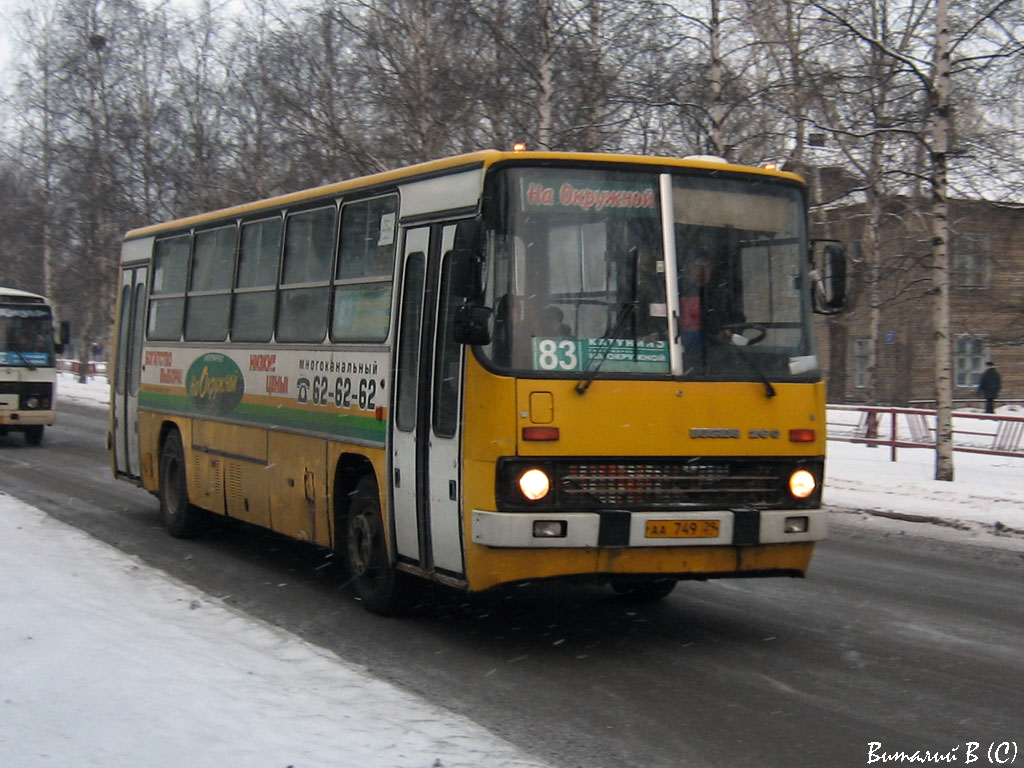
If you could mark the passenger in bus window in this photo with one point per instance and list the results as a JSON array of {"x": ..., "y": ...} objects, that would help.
[
  {"x": 32, "y": 337},
  {"x": 518, "y": 320},
  {"x": 515, "y": 326},
  {"x": 692, "y": 297},
  {"x": 705, "y": 311},
  {"x": 553, "y": 325}
]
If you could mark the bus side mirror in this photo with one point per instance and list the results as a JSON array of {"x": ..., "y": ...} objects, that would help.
[
  {"x": 473, "y": 324},
  {"x": 63, "y": 337},
  {"x": 828, "y": 279},
  {"x": 470, "y": 272}
]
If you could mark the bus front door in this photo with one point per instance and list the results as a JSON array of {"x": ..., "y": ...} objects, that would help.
[
  {"x": 128, "y": 371},
  {"x": 426, "y": 428}
]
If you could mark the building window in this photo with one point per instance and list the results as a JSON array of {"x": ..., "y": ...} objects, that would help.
[
  {"x": 861, "y": 352},
  {"x": 972, "y": 256},
  {"x": 969, "y": 360}
]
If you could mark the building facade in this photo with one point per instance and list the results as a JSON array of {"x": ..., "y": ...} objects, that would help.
[{"x": 986, "y": 304}]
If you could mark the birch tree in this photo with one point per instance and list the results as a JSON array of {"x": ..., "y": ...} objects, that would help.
[
  {"x": 984, "y": 36},
  {"x": 22, "y": 216},
  {"x": 571, "y": 74},
  {"x": 870, "y": 110},
  {"x": 415, "y": 59},
  {"x": 200, "y": 77},
  {"x": 38, "y": 85},
  {"x": 701, "y": 83}
]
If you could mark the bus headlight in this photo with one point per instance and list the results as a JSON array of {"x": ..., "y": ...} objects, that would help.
[
  {"x": 534, "y": 484},
  {"x": 32, "y": 403},
  {"x": 802, "y": 484}
]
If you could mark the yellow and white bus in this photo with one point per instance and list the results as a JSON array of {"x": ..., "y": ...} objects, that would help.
[
  {"x": 492, "y": 368},
  {"x": 28, "y": 364}
]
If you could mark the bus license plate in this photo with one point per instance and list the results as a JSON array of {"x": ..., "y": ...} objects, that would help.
[{"x": 681, "y": 529}]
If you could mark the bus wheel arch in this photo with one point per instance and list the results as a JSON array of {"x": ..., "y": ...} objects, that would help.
[
  {"x": 361, "y": 539},
  {"x": 349, "y": 472},
  {"x": 180, "y": 517}
]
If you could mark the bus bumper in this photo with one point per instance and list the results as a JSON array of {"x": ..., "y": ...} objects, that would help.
[
  {"x": 614, "y": 528},
  {"x": 15, "y": 419}
]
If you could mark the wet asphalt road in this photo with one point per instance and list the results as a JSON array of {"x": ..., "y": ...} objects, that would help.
[{"x": 911, "y": 643}]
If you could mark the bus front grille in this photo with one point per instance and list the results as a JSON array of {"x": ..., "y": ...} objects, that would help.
[{"x": 692, "y": 484}]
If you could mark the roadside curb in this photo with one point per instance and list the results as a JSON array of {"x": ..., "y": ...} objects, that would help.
[{"x": 995, "y": 535}]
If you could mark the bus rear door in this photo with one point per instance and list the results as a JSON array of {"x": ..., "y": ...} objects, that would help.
[{"x": 128, "y": 371}]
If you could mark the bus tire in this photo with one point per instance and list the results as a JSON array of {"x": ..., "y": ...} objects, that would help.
[
  {"x": 380, "y": 587},
  {"x": 181, "y": 519},
  {"x": 34, "y": 435},
  {"x": 646, "y": 590}
]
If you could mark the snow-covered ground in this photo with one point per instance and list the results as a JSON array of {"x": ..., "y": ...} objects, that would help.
[
  {"x": 106, "y": 662},
  {"x": 983, "y": 506}
]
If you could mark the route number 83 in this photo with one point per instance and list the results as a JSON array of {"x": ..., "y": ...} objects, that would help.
[{"x": 555, "y": 355}]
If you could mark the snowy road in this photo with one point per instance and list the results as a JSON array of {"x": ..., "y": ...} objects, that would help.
[{"x": 902, "y": 640}]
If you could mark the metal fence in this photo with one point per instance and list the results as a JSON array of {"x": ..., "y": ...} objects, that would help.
[
  {"x": 93, "y": 368},
  {"x": 1000, "y": 434}
]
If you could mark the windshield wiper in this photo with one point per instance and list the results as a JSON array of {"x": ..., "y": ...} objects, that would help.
[
  {"x": 628, "y": 311},
  {"x": 769, "y": 390},
  {"x": 24, "y": 359}
]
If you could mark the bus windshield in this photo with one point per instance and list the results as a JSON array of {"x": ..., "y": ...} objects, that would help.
[
  {"x": 26, "y": 336},
  {"x": 579, "y": 282}
]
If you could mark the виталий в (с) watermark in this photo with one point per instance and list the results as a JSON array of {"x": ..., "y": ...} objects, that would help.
[{"x": 968, "y": 753}]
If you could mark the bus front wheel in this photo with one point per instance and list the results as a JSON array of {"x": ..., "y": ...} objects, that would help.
[
  {"x": 378, "y": 585},
  {"x": 180, "y": 518},
  {"x": 34, "y": 435},
  {"x": 644, "y": 590}
]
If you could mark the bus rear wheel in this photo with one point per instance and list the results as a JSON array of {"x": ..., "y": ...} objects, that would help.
[
  {"x": 181, "y": 519},
  {"x": 379, "y": 586}
]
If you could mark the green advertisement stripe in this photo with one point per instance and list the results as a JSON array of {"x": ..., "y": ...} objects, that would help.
[{"x": 334, "y": 424}]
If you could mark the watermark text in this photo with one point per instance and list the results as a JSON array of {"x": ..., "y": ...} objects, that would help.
[{"x": 969, "y": 753}]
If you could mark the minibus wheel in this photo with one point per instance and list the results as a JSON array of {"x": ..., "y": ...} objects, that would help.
[{"x": 181, "y": 519}]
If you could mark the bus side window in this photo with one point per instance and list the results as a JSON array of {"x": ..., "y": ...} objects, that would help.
[
  {"x": 252, "y": 316},
  {"x": 449, "y": 352},
  {"x": 409, "y": 342},
  {"x": 170, "y": 275},
  {"x": 366, "y": 263},
  {"x": 306, "y": 273},
  {"x": 209, "y": 299}
]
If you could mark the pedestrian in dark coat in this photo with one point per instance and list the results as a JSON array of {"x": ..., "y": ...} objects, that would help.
[{"x": 989, "y": 385}]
